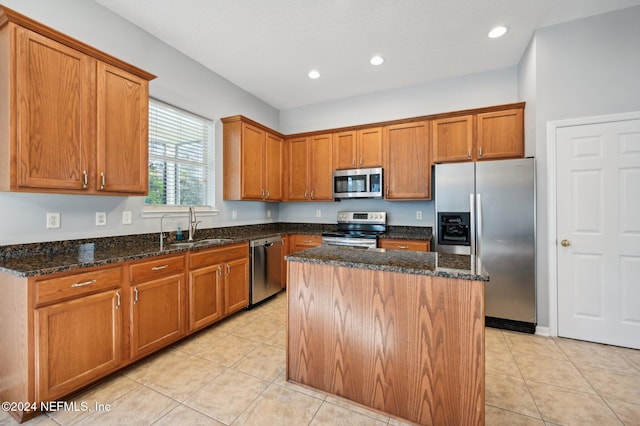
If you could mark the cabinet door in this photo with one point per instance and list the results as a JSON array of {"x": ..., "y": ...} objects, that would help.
[
  {"x": 253, "y": 141},
  {"x": 500, "y": 135},
  {"x": 298, "y": 169},
  {"x": 123, "y": 139},
  {"x": 77, "y": 342},
  {"x": 55, "y": 86},
  {"x": 344, "y": 150},
  {"x": 412, "y": 245},
  {"x": 205, "y": 296},
  {"x": 157, "y": 316},
  {"x": 370, "y": 147},
  {"x": 452, "y": 139},
  {"x": 273, "y": 168},
  {"x": 321, "y": 167},
  {"x": 407, "y": 162},
  {"x": 236, "y": 285}
]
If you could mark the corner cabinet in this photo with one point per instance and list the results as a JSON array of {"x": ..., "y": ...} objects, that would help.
[
  {"x": 252, "y": 161},
  {"x": 407, "y": 161},
  {"x": 75, "y": 119}
]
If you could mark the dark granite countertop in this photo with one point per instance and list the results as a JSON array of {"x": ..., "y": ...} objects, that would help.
[
  {"x": 25, "y": 260},
  {"x": 408, "y": 262}
]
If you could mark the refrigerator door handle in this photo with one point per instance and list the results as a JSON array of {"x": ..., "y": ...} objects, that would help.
[
  {"x": 479, "y": 225},
  {"x": 472, "y": 225}
]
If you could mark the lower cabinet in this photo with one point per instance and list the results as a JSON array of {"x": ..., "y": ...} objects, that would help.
[
  {"x": 77, "y": 342},
  {"x": 299, "y": 242},
  {"x": 414, "y": 245},
  {"x": 218, "y": 283},
  {"x": 157, "y": 298}
]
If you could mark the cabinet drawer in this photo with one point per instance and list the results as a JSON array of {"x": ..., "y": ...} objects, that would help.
[
  {"x": 217, "y": 255},
  {"x": 156, "y": 268},
  {"x": 414, "y": 245},
  {"x": 72, "y": 286}
]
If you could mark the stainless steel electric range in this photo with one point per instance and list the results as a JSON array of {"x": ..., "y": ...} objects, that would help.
[{"x": 357, "y": 229}]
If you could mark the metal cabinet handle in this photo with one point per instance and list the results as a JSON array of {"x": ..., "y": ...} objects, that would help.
[
  {"x": 305, "y": 195},
  {"x": 85, "y": 179},
  {"x": 387, "y": 192},
  {"x": 219, "y": 270},
  {"x": 268, "y": 194},
  {"x": 312, "y": 194},
  {"x": 159, "y": 268},
  {"x": 353, "y": 162},
  {"x": 565, "y": 243},
  {"x": 135, "y": 295},
  {"x": 403, "y": 247},
  {"x": 361, "y": 161},
  {"x": 103, "y": 180},
  {"x": 307, "y": 241},
  {"x": 480, "y": 152},
  {"x": 118, "y": 300},
  {"x": 469, "y": 153},
  {"x": 83, "y": 284},
  {"x": 228, "y": 269}
]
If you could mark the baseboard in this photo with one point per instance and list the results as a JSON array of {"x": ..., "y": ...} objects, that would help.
[
  {"x": 507, "y": 324},
  {"x": 542, "y": 331}
]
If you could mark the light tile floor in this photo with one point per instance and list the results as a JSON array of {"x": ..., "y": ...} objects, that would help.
[{"x": 233, "y": 373}]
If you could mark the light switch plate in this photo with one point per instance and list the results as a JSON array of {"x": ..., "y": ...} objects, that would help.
[
  {"x": 127, "y": 217},
  {"x": 234, "y": 214},
  {"x": 419, "y": 215},
  {"x": 101, "y": 219}
]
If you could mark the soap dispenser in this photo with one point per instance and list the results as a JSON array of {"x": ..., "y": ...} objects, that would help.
[{"x": 179, "y": 233}]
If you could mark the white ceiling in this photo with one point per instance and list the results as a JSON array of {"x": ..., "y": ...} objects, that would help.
[{"x": 267, "y": 47}]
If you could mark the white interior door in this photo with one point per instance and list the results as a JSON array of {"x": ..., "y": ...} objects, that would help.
[{"x": 598, "y": 232}]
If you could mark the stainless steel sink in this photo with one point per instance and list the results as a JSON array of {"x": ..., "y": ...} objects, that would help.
[{"x": 199, "y": 243}]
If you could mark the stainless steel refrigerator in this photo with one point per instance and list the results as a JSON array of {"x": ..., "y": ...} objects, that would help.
[{"x": 487, "y": 209}]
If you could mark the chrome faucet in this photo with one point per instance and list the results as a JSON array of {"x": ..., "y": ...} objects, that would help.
[
  {"x": 162, "y": 232},
  {"x": 193, "y": 223}
]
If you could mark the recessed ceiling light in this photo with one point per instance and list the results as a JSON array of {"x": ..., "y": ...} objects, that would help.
[
  {"x": 314, "y": 74},
  {"x": 498, "y": 31},
  {"x": 376, "y": 60}
]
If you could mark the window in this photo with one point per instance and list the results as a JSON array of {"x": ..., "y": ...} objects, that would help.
[{"x": 179, "y": 149}]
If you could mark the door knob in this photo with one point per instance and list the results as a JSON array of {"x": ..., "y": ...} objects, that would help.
[{"x": 565, "y": 243}]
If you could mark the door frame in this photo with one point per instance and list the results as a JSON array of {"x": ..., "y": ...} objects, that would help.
[{"x": 552, "y": 236}]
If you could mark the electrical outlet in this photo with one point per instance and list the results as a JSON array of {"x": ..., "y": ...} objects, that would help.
[
  {"x": 419, "y": 215},
  {"x": 53, "y": 220},
  {"x": 268, "y": 213},
  {"x": 318, "y": 213},
  {"x": 127, "y": 218},
  {"x": 234, "y": 214},
  {"x": 101, "y": 219}
]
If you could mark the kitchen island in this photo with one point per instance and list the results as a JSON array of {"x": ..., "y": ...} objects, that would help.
[{"x": 400, "y": 332}]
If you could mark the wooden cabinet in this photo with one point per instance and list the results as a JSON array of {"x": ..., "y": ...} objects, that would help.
[
  {"x": 407, "y": 161},
  {"x": 74, "y": 119},
  {"x": 310, "y": 168},
  {"x": 357, "y": 149},
  {"x": 493, "y": 135},
  {"x": 452, "y": 139},
  {"x": 299, "y": 242},
  {"x": 500, "y": 135},
  {"x": 413, "y": 245},
  {"x": 253, "y": 161},
  {"x": 157, "y": 303},
  {"x": 218, "y": 284},
  {"x": 78, "y": 330}
]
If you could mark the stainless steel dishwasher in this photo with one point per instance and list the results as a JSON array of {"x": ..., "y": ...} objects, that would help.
[{"x": 266, "y": 268}]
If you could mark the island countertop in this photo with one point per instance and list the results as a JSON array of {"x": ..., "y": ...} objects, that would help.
[{"x": 408, "y": 262}]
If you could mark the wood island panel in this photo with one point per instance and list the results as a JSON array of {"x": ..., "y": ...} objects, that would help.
[{"x": 406, "y": 344}]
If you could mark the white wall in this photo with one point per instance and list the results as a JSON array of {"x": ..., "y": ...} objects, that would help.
[
  {"x": 582, "y": 68},
  {"x": 181, "y": 82}
]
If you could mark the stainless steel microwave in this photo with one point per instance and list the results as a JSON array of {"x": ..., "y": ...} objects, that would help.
[{"x": 357, "y": 183}]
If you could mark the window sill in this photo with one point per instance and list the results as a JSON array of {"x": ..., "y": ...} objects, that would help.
[{"x": 176, "y": 211}]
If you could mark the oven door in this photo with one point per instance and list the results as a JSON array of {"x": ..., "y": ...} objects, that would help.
[{"x": 364, "y": 243}]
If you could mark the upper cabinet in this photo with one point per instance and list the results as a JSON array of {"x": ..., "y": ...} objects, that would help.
[
  {"x": 452, "y": 139},
  {"x": 407, "y": 161},
  {"x": 253, "y": 161},
  {"x": 75, "y": 120},
  {"x": 500, "y": 135},
  {"x": 310, "y": 168},
  {"x": 357, "y": 149},
  {"x": 491, "y": 135}
]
